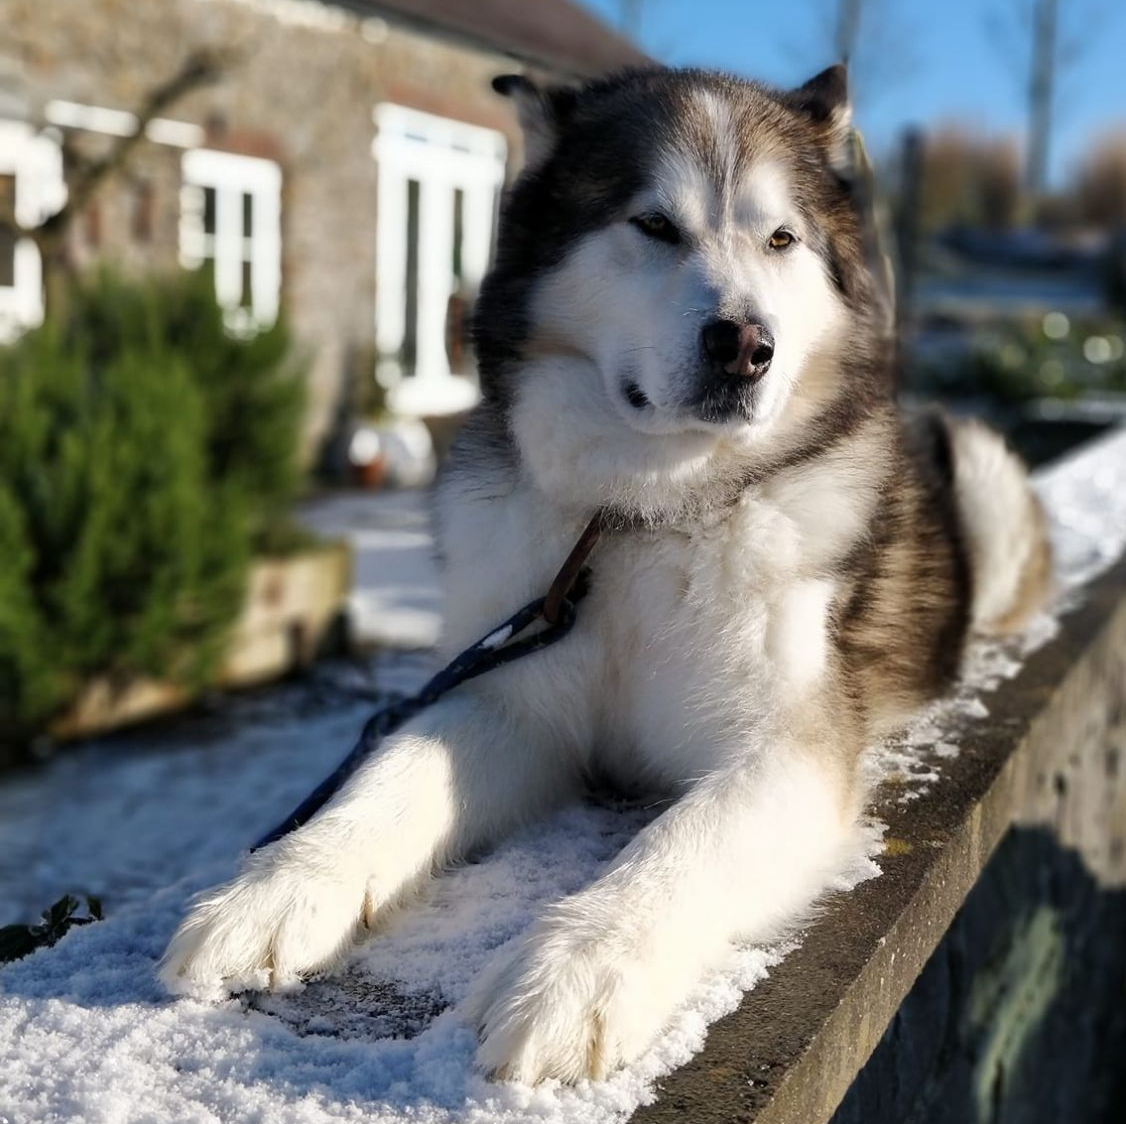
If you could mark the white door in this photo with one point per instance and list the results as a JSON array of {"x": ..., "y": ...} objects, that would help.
[{"x": 438, "y": 183}]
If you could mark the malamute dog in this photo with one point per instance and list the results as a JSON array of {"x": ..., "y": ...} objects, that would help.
[{"x": 681, "y": 332}]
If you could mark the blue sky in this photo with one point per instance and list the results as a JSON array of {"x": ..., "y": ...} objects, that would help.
[{"x": 926, "y": 61}]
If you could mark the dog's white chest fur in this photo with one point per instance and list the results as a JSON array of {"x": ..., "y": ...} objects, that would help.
[{"x": 684, "y": 644}]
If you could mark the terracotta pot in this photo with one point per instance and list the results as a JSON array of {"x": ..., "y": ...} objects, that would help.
[{"x": 371, "y": 474}]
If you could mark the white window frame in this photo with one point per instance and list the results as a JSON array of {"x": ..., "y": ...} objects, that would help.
[
  {"x": 35, "y": 159},
  {"x": 442, "y": 156},
  {"x": 231, "y": 176}
]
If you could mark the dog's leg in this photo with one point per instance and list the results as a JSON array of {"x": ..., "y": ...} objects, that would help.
[
  {"x": 740, "y": 855},
  {"x": 456, "y": 777}
]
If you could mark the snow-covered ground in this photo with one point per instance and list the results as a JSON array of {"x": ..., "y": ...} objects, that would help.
[
  {"x": 395, "y": 600},
  {"x": 146, "y": 819}
]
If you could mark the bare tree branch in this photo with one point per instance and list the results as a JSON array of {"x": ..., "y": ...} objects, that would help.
[
  {"x": 86, "y": 176},
  {"x": 875, "y": 37},
  {"x": 200, "y": 68},
  {"x": 1049, "y": 40},
  {"x": 1006, "y": 26}
]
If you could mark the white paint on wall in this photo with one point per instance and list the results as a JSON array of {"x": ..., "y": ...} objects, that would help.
[
  {"x": 120, "y": 123},
  {"x": 35, "y": 161},
  {"x": 309, "y": 14}
]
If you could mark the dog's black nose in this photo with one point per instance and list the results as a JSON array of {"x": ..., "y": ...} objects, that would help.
[{"x": 744, "y": 350}]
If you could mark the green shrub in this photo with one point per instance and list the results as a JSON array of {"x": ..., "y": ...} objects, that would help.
[
  {"x": 29, "y": 684},
  {"x": 143, "y": 453},
  {"x": 1022, "y": 361},
  {"x": 254, "y": 401},
  {"x": 1018, "y": 361}
]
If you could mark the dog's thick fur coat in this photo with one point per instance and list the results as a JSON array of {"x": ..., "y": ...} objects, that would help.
[{"x": 681, "y": 331}]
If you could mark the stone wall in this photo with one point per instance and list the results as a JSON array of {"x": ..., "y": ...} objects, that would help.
[
  {"x": 1018, "y": 1017},
  {"x": 1020, "y": 1014},
  {"x": 301, "y": 93}
]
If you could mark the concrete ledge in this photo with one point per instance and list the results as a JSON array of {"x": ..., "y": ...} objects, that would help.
[{"x": 1051, "y": 753}]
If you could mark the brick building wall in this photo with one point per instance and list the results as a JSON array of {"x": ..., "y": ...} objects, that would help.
[{"x": 301, "y": 91}]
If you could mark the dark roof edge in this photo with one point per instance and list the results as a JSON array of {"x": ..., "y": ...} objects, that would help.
[{"x": 562, "y": 64}]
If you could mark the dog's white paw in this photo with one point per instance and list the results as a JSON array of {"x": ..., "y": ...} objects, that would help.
[
  {"x": 281, "y": 920},
  {"x": 566, "y": 1006}
]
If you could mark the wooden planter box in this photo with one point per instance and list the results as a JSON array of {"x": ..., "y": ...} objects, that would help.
[{"x": 292, "y": 611}]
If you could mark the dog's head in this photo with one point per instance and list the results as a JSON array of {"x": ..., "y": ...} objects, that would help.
[{"x": 679, "y": 267}]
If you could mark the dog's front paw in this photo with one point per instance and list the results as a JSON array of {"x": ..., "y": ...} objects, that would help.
[
  {"x": 567, "y": 1006},
  {"x": 282, "y": 919}
]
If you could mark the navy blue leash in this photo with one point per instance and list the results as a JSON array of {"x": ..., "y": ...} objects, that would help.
[{"x": 501, "y": 646}]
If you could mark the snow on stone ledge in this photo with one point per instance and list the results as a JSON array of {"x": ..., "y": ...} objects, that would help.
[{"x": 86, "y": 1035}]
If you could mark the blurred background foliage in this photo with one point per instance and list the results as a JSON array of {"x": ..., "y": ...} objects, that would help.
[
  {"x": 1012, "y": 303},
  {"x": 145, "y": 456},
  {"x": 1048, "y": 357}
]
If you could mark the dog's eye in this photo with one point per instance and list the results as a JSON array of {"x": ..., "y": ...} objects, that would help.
[
  {"x": 658, "y": 226},
  {"x": 781, "y": 240}
]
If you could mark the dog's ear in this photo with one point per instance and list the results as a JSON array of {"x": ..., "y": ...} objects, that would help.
[
  {"x": 824, "y": 100},
  {"x": 540, "y": 113}
]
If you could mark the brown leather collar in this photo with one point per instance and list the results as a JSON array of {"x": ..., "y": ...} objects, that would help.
[{"x": 571, "y": 569}]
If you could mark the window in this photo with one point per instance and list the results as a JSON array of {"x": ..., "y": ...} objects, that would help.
[
  {"x": 438, "y": 187},
  {"x": 31, "y": 189},
  {"x": 230, "y": 219}
]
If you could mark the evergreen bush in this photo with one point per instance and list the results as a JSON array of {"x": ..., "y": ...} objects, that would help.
[{"x": 143, "y": 455}]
